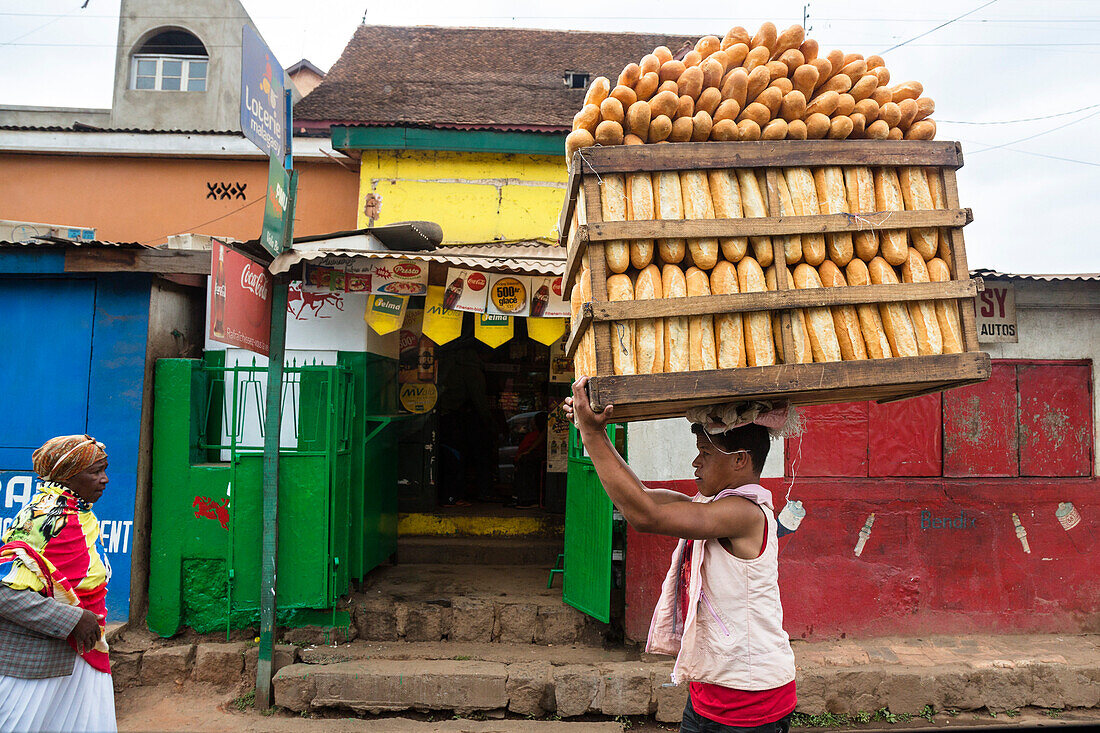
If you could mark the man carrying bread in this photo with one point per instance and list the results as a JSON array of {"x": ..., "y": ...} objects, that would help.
[{"x": 719, "y": 612}]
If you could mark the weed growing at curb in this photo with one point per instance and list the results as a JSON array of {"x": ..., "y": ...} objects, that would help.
[
  {"x": 836, "y": 720},
  {"x": 245, "y": 701},
  {"x": 1054, "y": 712}
]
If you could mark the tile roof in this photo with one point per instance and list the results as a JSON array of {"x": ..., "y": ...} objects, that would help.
[{"x": 494, "y": 78}]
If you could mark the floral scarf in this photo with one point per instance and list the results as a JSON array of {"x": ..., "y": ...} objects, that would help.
[{"x": 51, "y": 548}]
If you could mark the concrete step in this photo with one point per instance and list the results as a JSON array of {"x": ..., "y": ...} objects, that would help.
[
  {"x": 537, "y": 551},
  {"x": 481, "y": 520}
]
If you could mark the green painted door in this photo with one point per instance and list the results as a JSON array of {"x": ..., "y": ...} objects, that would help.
[{"x": 588, "y": 531}]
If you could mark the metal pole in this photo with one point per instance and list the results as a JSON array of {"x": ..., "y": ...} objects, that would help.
[{"x": 273, "y": 419}]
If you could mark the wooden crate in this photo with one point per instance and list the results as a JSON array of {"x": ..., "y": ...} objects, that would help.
[{"x": 651, "y": 396}]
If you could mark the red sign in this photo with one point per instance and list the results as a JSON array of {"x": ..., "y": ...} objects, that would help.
[
  {"x": 476, "y": 281},
  {"x": 240, "y": 300}
]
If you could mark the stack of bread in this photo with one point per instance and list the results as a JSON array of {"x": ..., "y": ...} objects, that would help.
[
  {"x": 771, "y": 86},
  {"x": 673, "y": 268}
]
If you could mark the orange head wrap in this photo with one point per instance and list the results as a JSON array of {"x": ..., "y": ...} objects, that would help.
[{"x": 63, "y": 457}]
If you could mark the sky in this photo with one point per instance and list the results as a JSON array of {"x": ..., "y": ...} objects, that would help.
[{"x": 1013, "y": 80}]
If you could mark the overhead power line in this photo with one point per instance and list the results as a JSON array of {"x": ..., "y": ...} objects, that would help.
[
  {"x": 1022, "y": 119},
  {"x": 941, "y": 25},
  {"x": 1038, "y": 134}
]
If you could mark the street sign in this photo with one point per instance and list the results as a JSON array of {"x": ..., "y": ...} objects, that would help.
[
  {"x": 263, "y": 112},
  {"x": 277, "y": 209},
  {"x": 240, "y": 300},
  {"x": 997, "y": 313}
]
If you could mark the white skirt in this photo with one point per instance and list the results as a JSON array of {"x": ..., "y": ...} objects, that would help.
[{"x": 83, "y": 701}]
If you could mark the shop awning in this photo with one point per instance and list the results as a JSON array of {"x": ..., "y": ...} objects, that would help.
[{"x": 524, "y": 258}]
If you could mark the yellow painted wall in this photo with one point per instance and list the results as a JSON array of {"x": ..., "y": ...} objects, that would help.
[{"x": 475, "y": 197}]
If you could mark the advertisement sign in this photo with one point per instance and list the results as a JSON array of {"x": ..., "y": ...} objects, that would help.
[
  {"x": 997, "y": 313},
  {"x": 548, "y": 300},
  {"x": 418, "y": 398},
  {"x": 240, "y": 300},
  {"x": 509, "y": 295},
  {"x": 263, "y": 107},
  {"x": 561, "y": 366},
  {"x": 557, "y": 440},
  {"x": 440, "y": 324},
  {"x": 546, "y": 331},
  {"x": 386, "y": 313},
  {"x": 395, "y": 277},
  {"x": 276, "y": 211},
  {"x": 466, "y": 291},
  {"x": 408, "y": 355},
  {"x": 493, "y": 330}
]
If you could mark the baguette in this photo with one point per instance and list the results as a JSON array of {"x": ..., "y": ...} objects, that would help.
[
  {"x": 576, "y": 301},
  {"x": 893, "y": 243},
  {"x": 947, "y": 311},
  {"x": 726, "y": 195},
  {"x": 754, "y": 205},
  {"x": 619, "y": 288},
  {"x": 669, "y": 203},
  {"x": 674, "y": 285},
  {"x": 803, "y": 353},
  {"x": 649, "y": 336},
  {"x": 729, "y": 329},
  {"x": 613, "y": 205},
  {"x": 598, "y": 90},
  {"x": 804, "y": 79},
  {"x": 849, "y": 335},
  {"x": 800, "y": 183},
  {"x": 759, "y": 346},
  {"x": 701, "y": 352},
  {"x": 698, "y": 204},
  {"x": 819, "y": 321},
  {"x": 791, "y": 243},
  {"x": 926, "y": 324},
  {"x": 588, "y": 342},
  {"x": 870, "y": 320},
  {"x": 832, "y": 199},
  {"x": 576, "y": 140},
  {"x": 939, "y": 201},
  {"x": 639, "y": 207},
  {"x": 895, "y": 318},
  {"x": 860, "y": 185},
  {"x": 917, "y": 197}
]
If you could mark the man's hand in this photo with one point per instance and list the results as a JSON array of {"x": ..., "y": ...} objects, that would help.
[
  {"x": 86, "y": 632},
  {"x": 579, "y": 409}
]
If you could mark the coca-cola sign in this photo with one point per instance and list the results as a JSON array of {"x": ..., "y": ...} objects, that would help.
[
  {"x": 240, "y": 305},
  {"x": 476, "y": 281}
]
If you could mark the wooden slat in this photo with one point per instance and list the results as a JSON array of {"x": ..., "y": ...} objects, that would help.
[
  {"x": 926, "y": 391},
  {"x": 869, "y": 377},
  {"x": 578, "y": 330},
  {"x": 959, "y": 267},
  {"x": 575, "y": 257},
  {"x": 161, "y": 261},
  {"x": 779, "y": 153},
  {"x": 571, "y": 189},
  {"x": 779, "y": 262},
  {"x": 593, "y": 208},
  {"x": 778, "y": 225},
  {"x": 777, "y": 300}
]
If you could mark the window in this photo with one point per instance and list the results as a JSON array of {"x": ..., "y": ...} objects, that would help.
[
  {"x": 577, "y": 79},
  {"x": 170, "y": 61}
]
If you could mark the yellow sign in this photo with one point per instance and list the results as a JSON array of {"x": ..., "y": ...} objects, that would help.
[
  {"x": 441, "y": 324},
  {"x": 385, "y": 312},
  {"x": 546, "y": 330},
  {"x": 418, "y": 398},
  {"x": 509, "y": 295},
  {"x": 493, "y": 330}
]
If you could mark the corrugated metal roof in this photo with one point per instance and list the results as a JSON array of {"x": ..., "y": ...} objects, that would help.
[
  {"x": 994, "y": 275},
  {"x": 527, "y": 258},
  {"x": 62, "y": 242},
  {"x": 80, "y": 127}
]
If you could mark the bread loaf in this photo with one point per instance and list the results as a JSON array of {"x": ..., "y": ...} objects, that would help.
[
  {"x": 639, "y": 207},
  {"x": 917, "y": 197},
  {"x": 832, "y": 198},
  {"x": 870, "y": 320},
  {"x": 729, "y": 329},
  {"x": 800, "y": 184},
  {"x": 799, "y": 330},
  {"x": 674, "y": 285},
  {"x": 613, "y": 205},
  {"x": 669, "y": 203},
  {"x": 649, "y": 333},
  {"x": 849, "y": 335},
  {"x": 895, "y": 318},
  {"x": 860, "y": 185},
  {"x": 791, "y": 243},
  {"x": 726, "y": 195},
  {"x": 588, "y": 341},
  {"x": 759, "y": 345},
  {"x": 819, "y": 321},
  {"x": 698, "y": 204},
  {"x": 576, "y": 300},
  {"x": 597, "y": 90},
  {"x": 620, "y": 288},
  {"x": 926, "y": 325},
  {"x": 893, "y": 243},
  {"x": 754, "y": 205},
  {"x": 939, "y": 201},
  {"x": 701, "y": 350},
  {"x": 947, "y": 311}
]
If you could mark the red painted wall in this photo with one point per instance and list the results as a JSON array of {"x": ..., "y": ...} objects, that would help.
[{"x": 915, "y": 575}]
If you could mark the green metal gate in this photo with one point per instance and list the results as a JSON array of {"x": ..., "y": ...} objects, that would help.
[{"x": 589, "y": 527}]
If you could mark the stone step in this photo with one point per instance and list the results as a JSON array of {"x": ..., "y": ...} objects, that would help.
[
  {"x": 465, "y": 651},
  {"x": 536, "y": 551}
]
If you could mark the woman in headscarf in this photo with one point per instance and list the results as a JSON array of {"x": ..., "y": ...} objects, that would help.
[{"x": 54, "y": 669}]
